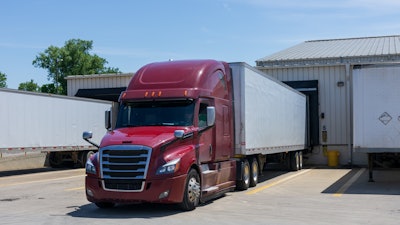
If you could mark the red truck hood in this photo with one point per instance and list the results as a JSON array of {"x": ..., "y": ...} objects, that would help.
[{"x": 151, "y": 136}]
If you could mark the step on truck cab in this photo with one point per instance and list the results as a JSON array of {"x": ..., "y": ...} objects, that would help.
[{"x": 180, "y": 137}]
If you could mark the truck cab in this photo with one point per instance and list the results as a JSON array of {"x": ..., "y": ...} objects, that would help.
[{"x": 173, "y": 138}]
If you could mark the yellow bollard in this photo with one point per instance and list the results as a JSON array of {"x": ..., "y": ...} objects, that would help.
[{"x": 333, "y": 158}]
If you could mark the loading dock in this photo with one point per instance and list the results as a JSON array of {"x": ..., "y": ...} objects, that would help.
[{"x": 332, "y": 63}]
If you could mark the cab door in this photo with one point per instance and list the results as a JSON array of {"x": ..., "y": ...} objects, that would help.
[{"x": 206, "y": 144}]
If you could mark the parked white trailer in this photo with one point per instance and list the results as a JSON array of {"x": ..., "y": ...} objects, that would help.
[
  {"x": 376, "y": 110},
  {"x": 270, "y": 117},
  {"x": 37, "y": 122}
]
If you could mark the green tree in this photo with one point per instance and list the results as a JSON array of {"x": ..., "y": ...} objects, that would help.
[
  {"x": 73, "y": 58},
  {"x": 48, "y": 88},
  {"x": 29, "y": 86},
  {"x": 3, "y": 80}
]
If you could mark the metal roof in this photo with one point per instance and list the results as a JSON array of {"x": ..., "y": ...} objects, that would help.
[
  {"x": 337, "y": 51},
  {"x": 90, "y": 76}
]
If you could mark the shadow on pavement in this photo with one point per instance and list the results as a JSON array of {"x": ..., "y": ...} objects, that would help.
[
  {"x": 387, "y": 182},
  {"x": 28, "y": 171},
  {"x": 145, "y": 211}
]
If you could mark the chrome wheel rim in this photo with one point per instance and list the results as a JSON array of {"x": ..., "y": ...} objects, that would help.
[
  {"x": 255, "y": 171},
  {"x": 193, "y": 189}
]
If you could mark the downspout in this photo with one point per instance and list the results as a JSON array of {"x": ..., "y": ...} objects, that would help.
[{"x": 349, "y": 120}]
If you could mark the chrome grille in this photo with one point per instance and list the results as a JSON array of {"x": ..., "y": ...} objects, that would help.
[{"x": 124, "y": 167}]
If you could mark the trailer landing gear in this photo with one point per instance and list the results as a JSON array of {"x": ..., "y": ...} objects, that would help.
[{"x": 370, "y": 166}]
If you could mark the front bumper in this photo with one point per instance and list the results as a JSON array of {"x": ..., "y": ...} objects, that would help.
[{"x": 168, "y": 190}]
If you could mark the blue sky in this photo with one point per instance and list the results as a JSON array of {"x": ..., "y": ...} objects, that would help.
[{"x": 129, "y": 33}]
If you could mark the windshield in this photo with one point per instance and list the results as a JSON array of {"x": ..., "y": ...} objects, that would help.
[{"x": 163, "y": 113}]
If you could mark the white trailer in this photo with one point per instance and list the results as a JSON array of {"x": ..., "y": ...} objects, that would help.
[
  {"x": 37, "y": 122},
  {"x": 270, "y": 117},
  {"x": 376, "y": 110}
]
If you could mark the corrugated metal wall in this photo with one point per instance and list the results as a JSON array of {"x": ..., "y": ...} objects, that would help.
[
  {"x": 332, "y": 98},
  {"x": 74, "y": 83}
]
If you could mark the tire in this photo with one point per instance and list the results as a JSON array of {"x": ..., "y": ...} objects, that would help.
[
  {"x": 244, "y": 182},
  {"x": 191, "y": 196},
  {"x": 55, "y": 159},
  {"x": 294, "y": 161},
  {"x": 300, "y": 160},
  {"x": 253, "y": 172},
  {"x": 104, "y": 205},
  {"x": 84, "y": 156}
]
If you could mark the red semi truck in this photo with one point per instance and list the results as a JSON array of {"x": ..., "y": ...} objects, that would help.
[{"x": 188, "y": 131}]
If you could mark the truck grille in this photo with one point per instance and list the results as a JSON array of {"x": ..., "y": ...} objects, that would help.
[{"x": 124, "y": 167}]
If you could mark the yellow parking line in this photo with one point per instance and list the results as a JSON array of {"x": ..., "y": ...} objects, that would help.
[
  {"x": 39, "y": 181},
  {"x": 75, "y": 189},
  {"x": 345, "y": 186},
  {"x": 261, "y": 188}
]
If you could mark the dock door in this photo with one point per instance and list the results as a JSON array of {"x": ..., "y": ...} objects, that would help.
[{"x": 310, "y": 89}]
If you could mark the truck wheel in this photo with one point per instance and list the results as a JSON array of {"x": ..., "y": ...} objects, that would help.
[
  {"x": 300, "y": 160},
  {"x": 253, "y": 172},
  {"x": 294, "y": 161},
  {"x": 244, "y": 182},
  {"x": 104, "y": 205},
  {"x": 191, "y": 196}
]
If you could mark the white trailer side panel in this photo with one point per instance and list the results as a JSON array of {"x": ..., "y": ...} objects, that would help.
[
  {"x": 376, "y": 109},
  {"x": 270, "y": 117},
  {"x": 43, "y": 121}
]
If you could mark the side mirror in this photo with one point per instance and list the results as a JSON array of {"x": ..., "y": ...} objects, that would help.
[
  {"x": 87, "y": 135},
  {"x": 107, "y": 119},
  {"x": 179, "y": 133},
  {"x": 210, "y": 116}
]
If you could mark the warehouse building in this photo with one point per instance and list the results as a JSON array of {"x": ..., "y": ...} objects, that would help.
[
  {"x": 323, "y": 70},
  {"x": 98, "y": 86}
]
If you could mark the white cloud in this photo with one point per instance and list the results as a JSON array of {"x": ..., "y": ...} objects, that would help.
[{"x": 381, "y": 5}]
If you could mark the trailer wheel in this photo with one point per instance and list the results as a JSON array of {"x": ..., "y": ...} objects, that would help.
[
  {"x": 253, "y": 172},
  {"x": 294, "y": 161},
  {"x": 244, "y": 182},
  {"x": 105, "y": 205},
  {"x": 191, "y": 196},
  {"x": 84, "y": 156},
  {"x": 55, "y": 159}
]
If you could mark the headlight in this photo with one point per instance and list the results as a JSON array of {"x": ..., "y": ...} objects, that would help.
[
  {"x": 170, "y": 167},
  {"x": 90, "y": 168}
]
